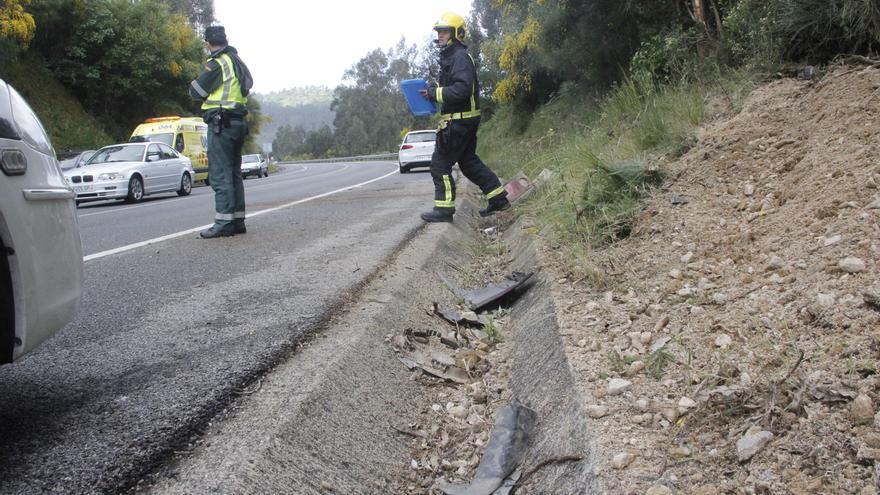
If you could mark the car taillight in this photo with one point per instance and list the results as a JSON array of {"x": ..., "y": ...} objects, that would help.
[{"x": 406, "y": 147}]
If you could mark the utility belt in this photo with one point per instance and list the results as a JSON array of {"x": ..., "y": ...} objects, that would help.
[
  {"x": 451, "y": 138},
  {"x": 223, "y": 120},
  {"x": 460, "y": 115}
]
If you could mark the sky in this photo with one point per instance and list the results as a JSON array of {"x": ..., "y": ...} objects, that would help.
[{"x": 291, "y": 43}]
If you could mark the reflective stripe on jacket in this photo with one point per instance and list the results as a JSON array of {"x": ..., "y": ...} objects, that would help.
[{"x": 226, "y": 95}]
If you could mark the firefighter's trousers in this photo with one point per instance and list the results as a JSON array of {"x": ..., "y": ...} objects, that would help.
[
  {"x": 224, "y": 172},
  {"x": 457, "y": 143}
]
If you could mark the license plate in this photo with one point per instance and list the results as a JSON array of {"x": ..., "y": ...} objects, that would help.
[{"x": 87, "y": 188}]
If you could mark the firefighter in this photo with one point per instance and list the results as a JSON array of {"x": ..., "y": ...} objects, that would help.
[
  {"x": 457, "y": 94},
  {"x": 222, "y": 87}
]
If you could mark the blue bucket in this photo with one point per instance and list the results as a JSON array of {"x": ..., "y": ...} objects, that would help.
[{"x": 418, "y": 105}]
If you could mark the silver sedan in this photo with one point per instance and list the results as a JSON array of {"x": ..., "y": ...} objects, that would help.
[{"x": 131, "y": 171}]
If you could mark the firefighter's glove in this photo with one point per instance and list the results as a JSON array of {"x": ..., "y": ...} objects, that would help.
[{"x": 430, "y": 93}]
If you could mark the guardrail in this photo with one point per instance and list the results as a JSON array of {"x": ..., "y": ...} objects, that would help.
[{"x": 364, "y": 158}]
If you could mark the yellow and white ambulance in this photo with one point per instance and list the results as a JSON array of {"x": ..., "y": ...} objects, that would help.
[{"x": 188, "y": 135}]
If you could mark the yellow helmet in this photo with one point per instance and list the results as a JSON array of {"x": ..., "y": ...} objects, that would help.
[{"x": 455, "y": 22}]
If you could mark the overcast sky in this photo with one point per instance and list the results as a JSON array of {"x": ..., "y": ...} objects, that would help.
[{"x": 288, "y": 43}]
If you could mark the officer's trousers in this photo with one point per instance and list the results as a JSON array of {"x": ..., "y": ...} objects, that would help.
[
  {"x": 224, "y": 172},
  {"x": 458, "y": 144}
]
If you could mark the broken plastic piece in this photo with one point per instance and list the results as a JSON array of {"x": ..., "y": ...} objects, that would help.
[
  {"x": 456, "y": 318},
  {"x": 492, "y": 292},
  {"x": 680, "y": 200},
  {"x": 520, "y": 187},
  {"x": 507, "y": 444}
]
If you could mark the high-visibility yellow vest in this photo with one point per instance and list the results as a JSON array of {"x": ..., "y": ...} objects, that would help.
[{"x": 227, "y": 95}]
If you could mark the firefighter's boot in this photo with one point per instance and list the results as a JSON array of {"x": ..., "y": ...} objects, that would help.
[
  {"x": 438, "y": 215},
  {"x": 498, "y": 203},
  {"x": 238, "y": 227}
]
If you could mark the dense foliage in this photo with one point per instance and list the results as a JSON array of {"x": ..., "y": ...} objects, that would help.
[{"x": 124, "y": 60}]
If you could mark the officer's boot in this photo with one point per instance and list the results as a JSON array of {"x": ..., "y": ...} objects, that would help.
[
  {"x": 439, "y": 215},
  {"x": 214, "y": 232},
  {"x": 498, "y": 203},
  {"x": 238, "y": 227}
]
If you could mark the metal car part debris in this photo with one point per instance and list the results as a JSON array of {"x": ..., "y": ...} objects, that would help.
[
  {"x": 456, "y": 318},
  {"x": 507, "y": 443},
  {"x": 492, "y": 292},
  {"x": 414, "y": 351}
]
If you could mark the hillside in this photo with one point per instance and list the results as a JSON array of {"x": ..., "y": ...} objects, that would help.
[
  {"x": 69, "y": 125},
  {"x": 730, "y": 344},
  {"x": 308, "y": 107}
]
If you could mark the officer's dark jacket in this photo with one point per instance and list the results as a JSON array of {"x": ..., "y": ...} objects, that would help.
[
  {"x": 458, "y": 80},
  {"x": 212, "y": 76}
]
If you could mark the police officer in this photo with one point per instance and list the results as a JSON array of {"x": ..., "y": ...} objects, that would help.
[
  {"x": 222, "y": 87},
  {"x": 458, "y": 96}
]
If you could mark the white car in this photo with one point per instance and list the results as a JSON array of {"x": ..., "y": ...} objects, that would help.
[
  {"x": 254, "y": 165},
  {"x": 131, "y": 171},
  {"x": 416, "y": 150},
  {"x": 41, "y": 260}
]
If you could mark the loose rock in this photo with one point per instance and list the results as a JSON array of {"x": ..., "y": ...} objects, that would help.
[
  {"x": 723, "y": 341},
  {"x": 596, "y": 411},
  {"x": 622, "y": 460},
  {"x": 851, "y": 265},
  {"x": 775, "y": 263},
  {"x": 861, "y": 410},
  {"x": 658, "y": 490},
  {"x": 617, "y": 386},
  {"x": 751, "y": 444}
]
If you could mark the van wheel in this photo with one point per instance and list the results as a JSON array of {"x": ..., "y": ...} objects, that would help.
[
  {"x": 186, "y": 185},
  {"x": 207, "y": 182},
  {"x": 135, "y": 190}
]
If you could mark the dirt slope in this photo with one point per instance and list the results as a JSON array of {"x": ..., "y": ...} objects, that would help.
[{"x": 747, "y": 321}]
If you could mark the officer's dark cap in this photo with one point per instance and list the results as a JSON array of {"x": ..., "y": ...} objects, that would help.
[{"x": 215, "y": 35}]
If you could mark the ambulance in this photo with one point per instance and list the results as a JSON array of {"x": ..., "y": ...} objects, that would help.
[{"x": 188, "y": 135}]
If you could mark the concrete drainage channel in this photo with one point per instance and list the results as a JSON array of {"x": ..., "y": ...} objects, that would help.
[{"x": 336, "y": 417}]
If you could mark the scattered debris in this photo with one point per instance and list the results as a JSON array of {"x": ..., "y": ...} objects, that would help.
[
  {"x": 519, "y": 188},
  {"x": 492, "y": 292},
  {"x": 507, "y": 444},
  {"x": 415, "y": 351},
  {"x": 465, "y": 318}
]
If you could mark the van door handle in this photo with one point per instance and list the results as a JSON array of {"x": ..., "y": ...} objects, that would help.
[{"x": 48, "y": 194}]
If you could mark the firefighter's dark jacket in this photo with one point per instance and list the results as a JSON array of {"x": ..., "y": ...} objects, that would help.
[
  {"x": 458, "y": 80},
  {"x": 212, "y": 76}
]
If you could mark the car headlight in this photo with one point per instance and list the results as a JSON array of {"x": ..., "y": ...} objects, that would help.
[{"x": 111, "y": 176}]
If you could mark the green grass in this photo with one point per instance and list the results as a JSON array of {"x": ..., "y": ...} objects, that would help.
[
  {"x": 69, "y": 125},
  {"x": 606, "y": 154}
]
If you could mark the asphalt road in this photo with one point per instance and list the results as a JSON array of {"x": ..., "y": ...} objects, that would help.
[{"x": 172, "y": 327}]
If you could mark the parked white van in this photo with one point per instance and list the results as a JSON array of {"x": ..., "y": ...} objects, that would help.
[{"x": 41, "y": 260}]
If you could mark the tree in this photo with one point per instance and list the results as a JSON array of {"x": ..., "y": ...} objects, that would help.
[
  {"x": 370, "y": 109},
  {"x": 199, "y": 13},
  {"x": 17, "y": 27},
  {"x": 124, "y": 60}
]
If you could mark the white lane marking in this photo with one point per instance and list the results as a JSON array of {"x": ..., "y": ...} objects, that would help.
[
  {"x": 122, "y": 249},
  {"x": 151, "y": 203}
]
